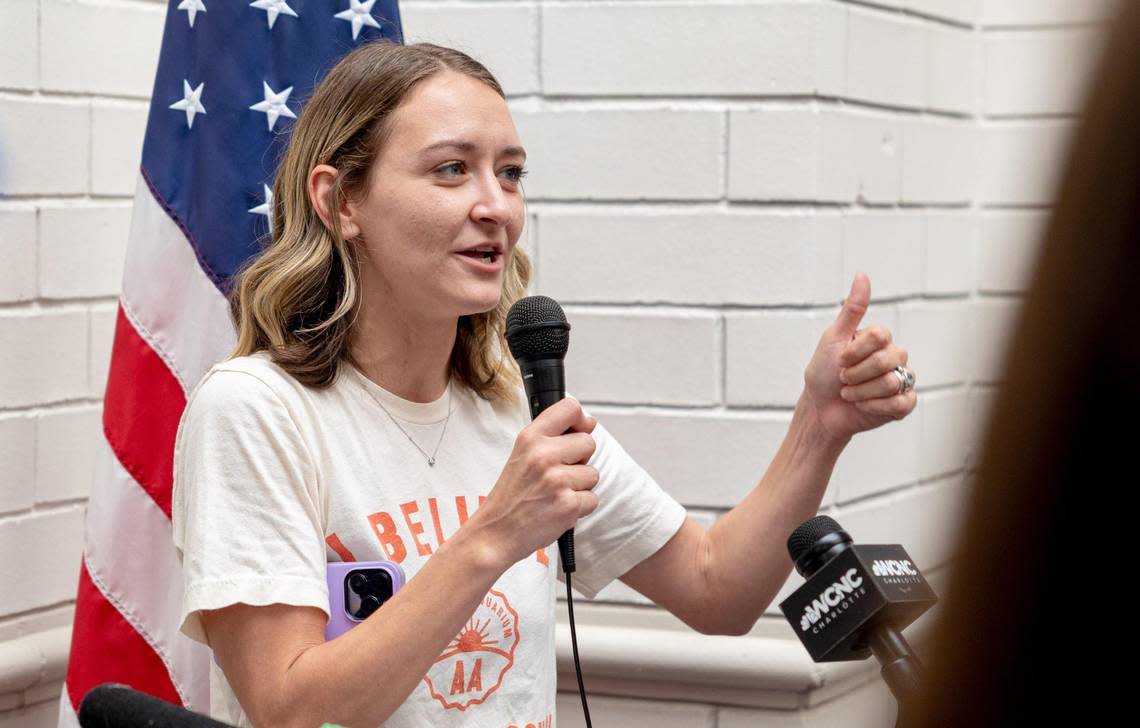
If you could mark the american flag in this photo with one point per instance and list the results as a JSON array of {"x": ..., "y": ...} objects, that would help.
[{"x": 232, "y": 74}]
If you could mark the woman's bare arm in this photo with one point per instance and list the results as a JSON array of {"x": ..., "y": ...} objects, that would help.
[{"x": 285, "y": 674}]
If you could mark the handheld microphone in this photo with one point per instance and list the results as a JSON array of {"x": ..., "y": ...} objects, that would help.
[
  {"x": 112, "y": 705},
  {"x": 538, "y": 336},
  {"x": 856, "y": 600}
]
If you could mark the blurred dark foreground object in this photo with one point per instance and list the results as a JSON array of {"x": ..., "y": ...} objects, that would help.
[
  {"x": 1031, "y": 615},
  {"x": 112, "y": 705}
]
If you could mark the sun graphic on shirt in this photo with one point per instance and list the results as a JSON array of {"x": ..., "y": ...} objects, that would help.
[
  {"x": 472, "y": 638},
  {"x": 476, "y": 661}
]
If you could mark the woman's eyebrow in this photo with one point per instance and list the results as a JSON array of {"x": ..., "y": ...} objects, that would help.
[{"x": 466, "y": 146}]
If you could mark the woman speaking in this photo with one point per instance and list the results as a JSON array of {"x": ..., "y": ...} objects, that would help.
[{"x": 371, "y": 411}]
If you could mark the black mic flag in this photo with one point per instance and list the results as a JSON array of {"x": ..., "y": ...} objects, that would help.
[{"x": 856, "y": 601}]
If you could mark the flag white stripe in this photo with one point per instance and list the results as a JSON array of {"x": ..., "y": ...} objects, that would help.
[
  {"x": 67, "y": 716},
  {"x": 182, "y": 316},
  {"x": 167, "y": 296},
  {"x": 131, "y": 559}
]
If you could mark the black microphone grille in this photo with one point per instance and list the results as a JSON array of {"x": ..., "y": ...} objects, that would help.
[
  {"x": 536, "y": 328},
  {"x": 809, "y": 532}
]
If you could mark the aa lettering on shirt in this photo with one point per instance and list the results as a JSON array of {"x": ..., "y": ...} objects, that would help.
[
  {"x": 473, "y": 665},
  {"x": 409, "y": 529}
]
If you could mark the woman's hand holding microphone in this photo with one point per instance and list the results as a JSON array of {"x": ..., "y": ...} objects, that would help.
[{"x": 546, "y": 485}]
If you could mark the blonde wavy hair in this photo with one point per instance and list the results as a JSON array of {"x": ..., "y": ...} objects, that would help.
[{"x": 299, "y": 297}]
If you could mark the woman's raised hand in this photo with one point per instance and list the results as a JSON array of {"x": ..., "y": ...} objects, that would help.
[
  {"x": 546, "y": 484},
  {"x": 850, "y": 382}
]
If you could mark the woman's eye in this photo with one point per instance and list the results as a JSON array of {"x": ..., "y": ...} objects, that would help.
[{"x": 517, "y": 172}]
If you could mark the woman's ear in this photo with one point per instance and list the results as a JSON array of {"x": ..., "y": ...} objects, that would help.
[{"x": 321, "y": 180}]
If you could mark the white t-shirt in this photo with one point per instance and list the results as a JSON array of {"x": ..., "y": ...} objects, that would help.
[{"x": 273, "y": 479}]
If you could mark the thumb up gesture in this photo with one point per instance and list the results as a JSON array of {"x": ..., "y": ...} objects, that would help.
[{"x": 857, "y": 379}]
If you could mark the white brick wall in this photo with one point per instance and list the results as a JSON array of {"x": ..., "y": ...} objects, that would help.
[
  {"x": 44, "y": 357},
  {"x": 635, "y": 153},
  {"x": 691, "y": 49},
  {"x": 707, "y": 177},
  {"x": 105, "y": 48},
  {"x": 19, "y": 61},
  {"x": 17, "y": 439},
  {"x": 82, "y": 247},
  {"x": 1045, "y": 72},
  {"x": 1032, "y": 14},
  {"x": 748, "y": 258},
  {"x": 951, "y": 252},
  {"x": 74, "y": 82},
  {"x": 18, "y": 251},
  {"x": 37, "y": 548},
  {"x": 43, "y": 154},
  {"x": 813, "y": 153},
  {"x": 117, "y": 129},
  {"x": 653, "y": 356},
  {"x": 1004, "y": 263},
  {"x": 885, "y": 58}
]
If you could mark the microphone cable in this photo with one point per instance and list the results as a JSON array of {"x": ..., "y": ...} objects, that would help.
[{"x": 568, "y": 569}]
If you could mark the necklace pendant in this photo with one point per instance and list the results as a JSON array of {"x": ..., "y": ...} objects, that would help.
[{"x": 431, "y": 461}]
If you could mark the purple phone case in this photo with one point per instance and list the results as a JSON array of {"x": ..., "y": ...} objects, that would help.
[{"x": 340, "y": 620}]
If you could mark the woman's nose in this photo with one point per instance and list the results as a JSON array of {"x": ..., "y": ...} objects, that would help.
[{"x": 493, "y": 203}]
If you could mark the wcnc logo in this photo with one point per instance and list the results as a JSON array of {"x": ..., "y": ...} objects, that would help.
[{"x": 832, "y": 601}]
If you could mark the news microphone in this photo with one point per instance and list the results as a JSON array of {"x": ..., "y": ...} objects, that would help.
[
  {"x": 538, "y": 336},
  {"x": 856, "y": 601},
  {"x": 112, "y": 705}
]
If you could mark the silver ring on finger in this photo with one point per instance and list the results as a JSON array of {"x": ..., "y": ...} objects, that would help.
[{"x": 906, "y": 379}]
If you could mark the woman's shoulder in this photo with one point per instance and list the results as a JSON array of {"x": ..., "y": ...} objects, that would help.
[
  {"x": 258, "y": 364},
  {"x": 248, "y": 379}
]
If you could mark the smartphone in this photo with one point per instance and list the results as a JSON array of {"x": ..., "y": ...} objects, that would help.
[{"x": 357, "y": 589}]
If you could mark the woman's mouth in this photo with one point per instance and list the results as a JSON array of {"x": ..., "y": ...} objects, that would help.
[{"x": 488, "y": 261}]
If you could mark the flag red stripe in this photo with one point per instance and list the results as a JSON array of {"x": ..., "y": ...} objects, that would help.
[
  {"x": 105, "y": 648},
  {"x": 141, "y": 410}
]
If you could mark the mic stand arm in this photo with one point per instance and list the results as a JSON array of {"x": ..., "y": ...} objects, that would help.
[{"x": 902, "y": 670}]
